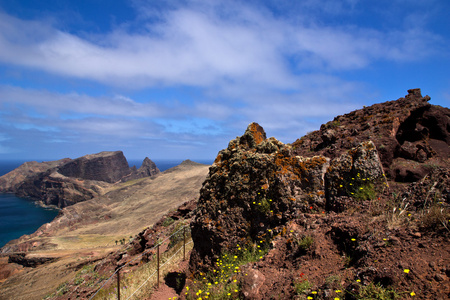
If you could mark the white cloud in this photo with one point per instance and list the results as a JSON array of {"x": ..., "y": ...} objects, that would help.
[
  {"x": 244, "y": 62},
  {"x": 78, "y": 105},
  {"x": 198, "y": 47}
]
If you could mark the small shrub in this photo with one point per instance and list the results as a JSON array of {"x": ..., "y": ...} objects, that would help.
[
  {"x": 168, "y": 221},
  {"x": 263, "y": 205},
  {"x": 397, "y": 214},
  {"x": 306, "y": 242},
  {"x": 78, "y": 280},
  {"x": 302, "y": 286},
  {"x": 62, "y": 289},
  {"x": 377, "y": 292},
  {"x": 365, "y": 192},
  {"x": 176, "y": 235},
  {"x": 222, "y": 282},
  {"x": 333, "y": 282}
]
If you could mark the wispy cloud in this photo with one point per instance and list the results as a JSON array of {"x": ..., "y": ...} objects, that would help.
[
  {"x": 279, "y": 64},
  {"x": 203, "y": 47}
]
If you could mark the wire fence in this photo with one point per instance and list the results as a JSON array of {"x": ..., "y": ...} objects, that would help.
[{"x": 176, "y": 242}]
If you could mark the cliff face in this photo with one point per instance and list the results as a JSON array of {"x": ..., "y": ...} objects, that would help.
[
  {"x": 357, "y": 200},
  {"x": 104, "y": 166},
  {"x": 65, "y": 182},
  {"x": 10, "y": 182}
]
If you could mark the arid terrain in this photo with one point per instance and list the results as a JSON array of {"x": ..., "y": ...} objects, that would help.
[
  {"x": 87, "y": 231},
  {"x": 359, "y": 209}
]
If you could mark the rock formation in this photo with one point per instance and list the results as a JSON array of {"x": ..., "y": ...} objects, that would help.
[
  {"x": 66, "y": 182},
  {"x": 410, "y": 135},
  {"x": 342, "y": 188},
  {"x": 257, "y": 184}
]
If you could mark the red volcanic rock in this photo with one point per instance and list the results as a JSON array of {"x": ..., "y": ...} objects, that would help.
[{"x": 332, "y": 210}]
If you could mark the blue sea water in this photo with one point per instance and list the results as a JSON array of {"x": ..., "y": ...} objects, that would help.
[{"x": 19, "y": 216}]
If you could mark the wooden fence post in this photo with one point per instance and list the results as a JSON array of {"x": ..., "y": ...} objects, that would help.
[
  {"x": 184, "y": 243},
  {"x": 157, "y": 265},
  {"x": 118, "y": 284}
]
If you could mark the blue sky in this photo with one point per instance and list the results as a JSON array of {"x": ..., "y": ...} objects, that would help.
[{"x": 179, "y": 79}]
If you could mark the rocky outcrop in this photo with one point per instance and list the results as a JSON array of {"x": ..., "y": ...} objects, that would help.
[
  {"x": 257, "y": 184},
  {"x": 52, "y": 188},
  {"x": 31, "y": 262},
  {"x": 65, "y": 182},
  {"x": 330, "y": 216},
  {"x": 410, "y": 135},
  {"x": 148, "y": 168},
  {"x": 10, "y": 182},
  {"x": 104, "y": 166}
]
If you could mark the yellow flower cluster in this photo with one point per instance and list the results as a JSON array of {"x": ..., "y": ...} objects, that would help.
[{"x": 222, "y": 281}]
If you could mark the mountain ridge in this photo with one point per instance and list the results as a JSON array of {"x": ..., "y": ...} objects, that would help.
[{"x": 67, "y": 181}]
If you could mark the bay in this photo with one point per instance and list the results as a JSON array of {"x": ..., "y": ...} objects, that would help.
[{"x": 19, "y": 216}]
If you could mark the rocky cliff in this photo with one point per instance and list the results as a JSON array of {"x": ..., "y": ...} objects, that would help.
[
  {"x": 410, "y": 135},
  {"x": 333, "y": 207},
  {"x": 68, "y": 181}
]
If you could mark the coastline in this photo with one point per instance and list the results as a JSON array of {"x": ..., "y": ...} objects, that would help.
[{"x": 40, "y": 207}]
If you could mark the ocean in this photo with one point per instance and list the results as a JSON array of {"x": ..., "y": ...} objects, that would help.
[{"x": 19, "y": 216}]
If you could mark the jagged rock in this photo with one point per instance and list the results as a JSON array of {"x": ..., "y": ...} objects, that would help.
[
  {"x": 351, "y": 173},
  {"x": 31, "y": 262},
  {"x": 52, "y": 188},
  {"x": 408, "y": 128},
  {"x": 148, "y": 168},
  {"x": 254, "y": 184}
]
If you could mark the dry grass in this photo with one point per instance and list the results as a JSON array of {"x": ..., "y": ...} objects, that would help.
[
  {"x": 436, "y": 217},
  {"x": 140, "y": 283},
  {"x": 89, "y": 229}
]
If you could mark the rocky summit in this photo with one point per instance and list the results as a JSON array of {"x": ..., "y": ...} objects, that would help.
[
  {"x": 362, "y": 200},
  {"x": 65, "y": 182}
]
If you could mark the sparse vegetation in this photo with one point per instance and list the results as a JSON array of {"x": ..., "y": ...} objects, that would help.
[
  {"x": 168, "y": 221},
  {"x": 302, "y": 285},
  {"x": 143, "y": 279},
  {"x": 374, "y": 291},
  {"x": 305, "y": 242},
  {"x": 436, "y": 217}
]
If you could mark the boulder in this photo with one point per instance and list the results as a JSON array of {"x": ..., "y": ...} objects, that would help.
[
  {"x": 254, "y": 184},
  {"x": 353, "y": 174}
]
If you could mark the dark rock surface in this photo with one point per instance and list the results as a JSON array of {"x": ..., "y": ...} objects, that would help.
[
  {"x": 257, "y": 184},
  {"x": 104, "y": 166},
  {"x": 31, "y": 262}
]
